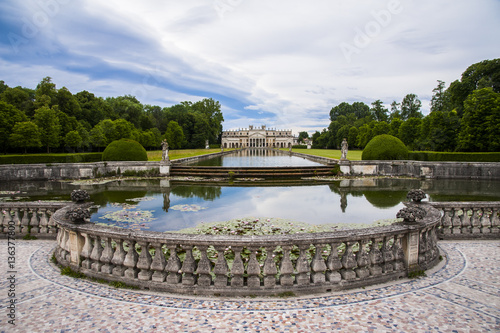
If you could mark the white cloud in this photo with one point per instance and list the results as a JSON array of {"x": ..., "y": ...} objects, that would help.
[{"x": 279, "y": 62}]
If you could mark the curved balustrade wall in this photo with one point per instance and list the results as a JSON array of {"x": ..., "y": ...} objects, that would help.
[
  {"x": 248, "y": 265},
  {"x": 32, "y": 218},
  {"x": 469, "y": 220}
]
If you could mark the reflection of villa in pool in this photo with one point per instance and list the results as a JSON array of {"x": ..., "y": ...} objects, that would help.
[{"x": 257, "y": 138}]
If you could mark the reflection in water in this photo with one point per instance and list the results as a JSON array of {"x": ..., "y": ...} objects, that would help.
[
  {"x": 257, "y": 158},
  {"x": 346, "y": 201}
]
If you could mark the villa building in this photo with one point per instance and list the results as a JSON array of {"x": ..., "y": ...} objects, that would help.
[{"x": 257, "y": 138}]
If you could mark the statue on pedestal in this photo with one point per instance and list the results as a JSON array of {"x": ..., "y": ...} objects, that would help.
[
  {"x": 164, "y": 155},
  {"x": 343, "y": 149}
]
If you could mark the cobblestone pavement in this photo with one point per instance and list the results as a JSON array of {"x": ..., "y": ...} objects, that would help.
[{"x": 462, "y": 294}]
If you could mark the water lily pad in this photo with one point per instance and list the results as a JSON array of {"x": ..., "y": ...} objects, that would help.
[
  {"x": 188, "y": 208},
  {"x": 140, "y": 199}
]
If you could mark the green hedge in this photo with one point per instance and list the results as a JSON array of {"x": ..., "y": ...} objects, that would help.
[
  {"x": 385, "y": 147},
  {"x": 434, "y": 156},
  {"x": 51, "y": 158},
  {"x": 299, "y": 147},
  {"x": 124, "y": 150}
]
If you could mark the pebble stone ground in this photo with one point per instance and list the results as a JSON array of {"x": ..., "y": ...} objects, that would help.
[{"x": 462, "y": 294}]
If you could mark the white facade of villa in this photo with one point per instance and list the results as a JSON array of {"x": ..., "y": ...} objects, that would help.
[{"x": 257, "y": 138}]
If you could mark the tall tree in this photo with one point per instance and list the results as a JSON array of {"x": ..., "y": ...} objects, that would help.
[
  {"x": 480, "y": 129},
  {"x": 409, "y": 132},
  {"x": 48, "y": 123},
  {"x": 410, "y": 107},
  {"x": 379, "y": 112},
  {"x": 25, "y": 135},
  {"x": 9, "y": 117},
  {"x": 174, "y": 135},
  {"x": 440, "y": 99}
]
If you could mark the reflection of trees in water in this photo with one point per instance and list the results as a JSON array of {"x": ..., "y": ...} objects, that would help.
[
  {"x": 105, "y": 197},
  {"x": 203, "y": 192},
  {"x": 385, "y": 199}
]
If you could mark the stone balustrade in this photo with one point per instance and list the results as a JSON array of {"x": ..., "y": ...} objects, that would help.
[
  {"x": 248, "y": 265},
  {"x": 469, "y": 220},
  {"x": 32, "y": 218}
]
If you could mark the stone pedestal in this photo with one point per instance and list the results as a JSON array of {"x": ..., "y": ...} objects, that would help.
[
  {"x": 164, "y": 169},
  {"x": 75, "y": 246},
  {"x": 345, "y": 167},
  {"x": 410, "y": 249}
]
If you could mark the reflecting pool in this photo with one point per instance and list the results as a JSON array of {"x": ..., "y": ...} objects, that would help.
[
  {"x": 167, "y": 205},
  {"x": 257, "y": 158}
]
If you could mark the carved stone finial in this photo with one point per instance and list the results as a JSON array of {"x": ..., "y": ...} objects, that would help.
[
  {"x": 79, "y": 196},
  {"x": 411, "y": 214},
  {"x": 78, "y": 215},
  {"x": 416, "y": 195}
]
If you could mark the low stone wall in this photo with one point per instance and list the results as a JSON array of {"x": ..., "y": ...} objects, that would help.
[
  {"x": 469, "y": 220},
  {"x": 33, "y": 218},
  {"x": 201, "y": 157},
  {"x": 422, "y": 169},
  {"x": 58, "y": 171},
  {"x": 248, "y": 265}
]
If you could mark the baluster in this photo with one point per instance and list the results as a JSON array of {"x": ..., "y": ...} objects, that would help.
[
  {"x": 62, "y": 245},
  {"x": 456, "y": 221},
  {"x": 376, "y": 258},
  {"x": 204, "y": 268},
  {"x": 189, "y": 266},
  {"x": 96, "y": 254},
  {"x": 173, "y": 265},
  {"x": 387, "y": 255},
  {"x": 286, "y": 267},
  {"x": 106, "y": 257},
  {"x": 334, "y": 265},
  {"x": 238, "y": 269},
  {"x": 446, "y": 221},
  {"x": 86, "y": 251},
  {"x": 433, "y": 243},
  {"x": 221, "y": 269},
  {"x": 422, "y": 246},
  {"x": 158, "y": 264},
  {"x": 144, "y": 262},
  {"x": 118, "y": 259},
  {"x": 466, "y": 221},
  {"x": 270, "y": 270},
  {"x": 495, "y": 221},
  {"x": 475, "y": 220},
  {"x": 303, "y": 269},
  {"x": 17, "y": 220},
  {"x": 3, "y": 223},
  {"x": 253, "y": 269},
  {"x": 484, "y": 224},
  {"x": 131, "y": 261},
  {"x": 52, "y": 227},
  {"x": 362, "y": 261},
  {"x": 348, "y": 262},
  {"x": 43, "y": 221},
  {"x": 35, "y": 221},
  {"x": 318, "y": 265},
  {"x": 25, "y": 221},
  {"x": 399, "y": 255}
]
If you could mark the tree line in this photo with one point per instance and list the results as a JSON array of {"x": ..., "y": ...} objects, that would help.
[
  {"x": 51, "y": 119},
  {"x": 463, "y": 117}
]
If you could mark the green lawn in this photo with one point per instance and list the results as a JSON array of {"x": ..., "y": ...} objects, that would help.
[
  {"x": 353, "y": 155},
  {"x": 181, "y": 153}
]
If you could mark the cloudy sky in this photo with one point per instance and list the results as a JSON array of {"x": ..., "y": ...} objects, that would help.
[{"x": 275, "y": 62}]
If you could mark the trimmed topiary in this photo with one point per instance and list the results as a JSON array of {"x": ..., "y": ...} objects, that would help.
[
  {"x": 385, "y": 147},
  {"x": 125, "y": 150}
]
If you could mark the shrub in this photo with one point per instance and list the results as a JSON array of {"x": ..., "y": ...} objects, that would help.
[
  {"x": 124, "y": 150},
  {"x": 51, "y": 158},
  {"x": 385, "y": 147},
  {"x": 453, "y": 157}
]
